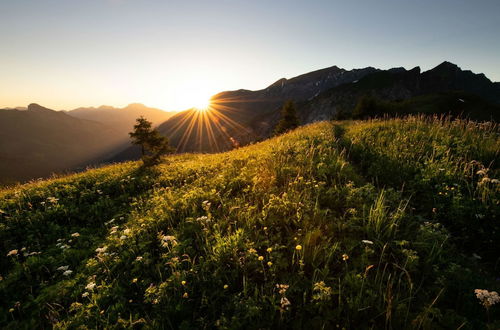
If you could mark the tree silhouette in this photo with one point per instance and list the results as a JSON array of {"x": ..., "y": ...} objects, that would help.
[
  {"x": 153, "y": 145},
  {"x": 289, "y": 119}
]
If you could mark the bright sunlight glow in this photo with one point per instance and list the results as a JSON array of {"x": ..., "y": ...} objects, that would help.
[{"x": 202, "y": 104}]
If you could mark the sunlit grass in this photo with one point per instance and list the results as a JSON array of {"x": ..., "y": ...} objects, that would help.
[{"x": 358, "y": 224}]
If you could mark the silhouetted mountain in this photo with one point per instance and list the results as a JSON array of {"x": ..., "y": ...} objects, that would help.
[
  {"x": 121, "y": 119},
  {"x": 449, "y": 77},
  {"x": 477, "y": 93},
  {"x": 39, "y": 141}
]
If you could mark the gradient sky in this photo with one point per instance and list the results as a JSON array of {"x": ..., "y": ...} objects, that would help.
[{"x": 173, "y": 55}]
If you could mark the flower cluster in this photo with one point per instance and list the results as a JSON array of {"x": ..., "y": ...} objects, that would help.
[{"x": 487, "y": 298}]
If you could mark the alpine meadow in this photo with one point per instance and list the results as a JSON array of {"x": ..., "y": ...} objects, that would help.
[{"x": 364, "y": 224}]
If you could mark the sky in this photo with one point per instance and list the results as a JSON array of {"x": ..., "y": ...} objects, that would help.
[{"x": 173, "y": 55}]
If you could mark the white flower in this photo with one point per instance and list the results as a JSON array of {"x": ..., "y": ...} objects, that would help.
[
  {"x": 90, "y": 286},
  {"x": 101, "y": 249},
  {"x": 367, "y": 241},
  {"x": 285, "y": 303},
  {"x": 123, "y": 237},
  {"x": 487, "y": 298},
  {"x": 139, "y": 258},
  {"x": 63, "y": 268},
  {"x": 85, "y": 294},
  {"x": 476, "y": 256},
  {"x": 75, "y": 235},
  {"x": 68, "y": 272},
  {"x": 168, "y": 238}
]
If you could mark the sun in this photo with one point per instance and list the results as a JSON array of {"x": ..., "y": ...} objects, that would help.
[{"x": 202, "y": 104}]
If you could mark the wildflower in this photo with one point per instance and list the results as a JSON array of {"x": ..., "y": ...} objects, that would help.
[
  {"x": 85, "y": 294},
  {"x": 298, "y": 247},
  {"x": 260, "y": 258},
  {"x": 226, "y": 286},
  {"x": 252, "y": 251},
  {"x": 321, "y": 291},
  {"x": 123, "y": 237},
  {"x": 134, "y": 280},
  {"x": 183, "y": 282},
  {"x": 90, "y": 286},
  {"x": 476, "y": 256},
  {"x": 168, "y": 238},
  {"x": 202, "y": 218},
  {"x": 345, "y": 257},
  {"x": 126, "y": 231},
  {"x": 114, "y": 229},
  {"x": 282, "y": 288},
  {"x": 185, "y": 295},
  {"x": 12, "y": 253},
  {"x": 75, "y": 235},
  {"x": 367, "y": 241},
  {"x": 487, "y": 298},
  {"x": 495, "y": 181},
  {"x": 11, "y": 310},
  {"x": 269, "y": 263},
  {"x": 63, "y": 268},
  {"x": 269, "y": 250},
  {"x": 67, "y": 272},
  {"x": 139, "y": 258},
  {"x": 101, "y": 249},
  {"x": 52, "y": 200},
  {"x": 285, "y": 303},
  {"x": 265, "y": 228}
]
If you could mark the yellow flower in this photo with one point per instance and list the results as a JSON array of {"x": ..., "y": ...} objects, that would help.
[
  {"x": 11, "y": 310},
  {"x": 269, "y": 263},
  {"x": 183, "y": 282},
  {"x": 298, "y": 247},
  {"x": 226, "y": 286},
  {"x": 261, "y": 258},
  {"x": 265, "y": 228},
  {"x": 134, "y": 280},
  {"x": 185, "y": 295},
  {"x": 345, "y": 257},
  {"x": 269, "y": 250}
]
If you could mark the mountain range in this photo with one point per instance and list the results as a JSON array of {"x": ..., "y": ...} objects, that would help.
[{"x": 38, "y": 141}]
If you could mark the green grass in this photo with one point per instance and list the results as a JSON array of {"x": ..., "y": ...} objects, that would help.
[{"x": 347, "y": 224}]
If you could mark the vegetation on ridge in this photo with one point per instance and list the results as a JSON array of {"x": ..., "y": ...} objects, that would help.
[{"x": 351, "y": 224}]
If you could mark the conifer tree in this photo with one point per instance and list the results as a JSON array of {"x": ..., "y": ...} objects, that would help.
[
  {"x": 289, "y": 119},
  {"x": 153, "y": 144}
]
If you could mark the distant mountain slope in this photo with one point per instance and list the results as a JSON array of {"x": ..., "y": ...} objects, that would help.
[
  {"x": 447, "y": 83},
  {"x": 121, "y": 119},
  {"x": 38, "y": 141}
]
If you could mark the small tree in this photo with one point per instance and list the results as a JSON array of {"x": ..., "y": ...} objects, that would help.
[
  {"x": 153, "y": 145},
  {"x": 366, "y": 107},
  {"x": 289, "y": 119}
]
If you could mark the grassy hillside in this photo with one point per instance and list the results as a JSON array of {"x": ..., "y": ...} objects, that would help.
[{"x": 348, "y": 224}]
